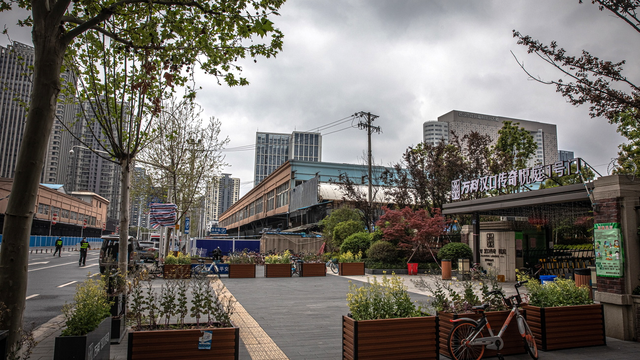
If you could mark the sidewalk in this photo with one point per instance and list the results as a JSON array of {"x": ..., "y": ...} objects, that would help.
[{"x": 300, "y": 318}]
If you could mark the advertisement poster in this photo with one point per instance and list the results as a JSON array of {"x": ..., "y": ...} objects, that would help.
[
  {"x": 204, "y": 342},
  {"x": 608, "y": 248}
]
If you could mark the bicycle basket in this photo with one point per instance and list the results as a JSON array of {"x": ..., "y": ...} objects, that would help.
[{"x": 507, "y": 301}]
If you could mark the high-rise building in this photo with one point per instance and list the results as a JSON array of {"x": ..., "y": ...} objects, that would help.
[
  {"x": 273, "y": 150},
  {"x": 222, "y": 192},
  {"x": 565, "y": 155},
  {"x": 463, "y": 123},
  {"x": 138, "y": 202},
  {"x": 15, "y": 92},
  {"x": 89, "y": 170}
]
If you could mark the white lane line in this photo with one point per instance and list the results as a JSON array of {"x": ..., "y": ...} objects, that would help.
[
  {"x": 31, "y": 296},
  {"x": 38, "y": 263},
  {"x": 69, "y": 283},
  {"x": 52, "y": 266}
]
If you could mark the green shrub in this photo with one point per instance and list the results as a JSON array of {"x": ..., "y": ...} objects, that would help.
[
  {"x": 345, "y": 229},
  {"x": 454, "y": 251},
  {"x": 382, "y": 251},
  {"x": 90, "y": 306},
  {"x": 381, "y": 300},
  {"x": 561, "y": 292},
  {"x": 285, "y": 258},
  {"x": 358, "y": 242}
]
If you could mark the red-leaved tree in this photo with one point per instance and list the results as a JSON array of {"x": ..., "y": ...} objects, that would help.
[{"x": 412, "y": 229}]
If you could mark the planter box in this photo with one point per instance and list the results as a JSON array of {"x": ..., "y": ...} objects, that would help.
[
  {"x": 313, "y": 269},
  {"x": 566, "y": 327},
  {"x": 196, "y": 262},
  {"x": 513, "y": 343},
  {"x": 348, "y": 269},
  {"x": 183, "y": 344},
  {"x": 404, "y": 338},
  {"x": 177, "y": 271},
  {"x": 277, "y": 270},
  {"x": 118, "y": 328},
  {"x": 93, "y": 346},
  {"x": 242, "y": 270}
]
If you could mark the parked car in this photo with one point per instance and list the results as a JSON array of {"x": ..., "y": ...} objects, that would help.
[
  {"x": 149, "y": 250},
  {"x": 109, "y": 253}
]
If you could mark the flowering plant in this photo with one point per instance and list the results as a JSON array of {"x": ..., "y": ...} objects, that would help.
[
  {"x": 384, "y": 299},
  {"x": 349, "y": 257},
  {"x": 285, "y": 258},
  {"x": 240, "y": 258}
]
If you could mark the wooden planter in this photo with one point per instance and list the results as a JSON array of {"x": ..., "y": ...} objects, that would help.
[
  {"x": 404, "y": 338},
  {"x": 93, "y": 346},
  {"x": 177, "y": 271},
  {"x": 566, "y": 327},
  {"x": 513, "y": 343},
  {"x": 183, "y": 344},
  {"x": 277, "y": 270},
  {"x": 348, "y": 269},
  {"x": 313, "y": 269},
  {"x": 242, "y": 270}
]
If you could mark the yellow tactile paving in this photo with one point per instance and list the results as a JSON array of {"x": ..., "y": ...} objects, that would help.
[{"x": 258, "y": 343}]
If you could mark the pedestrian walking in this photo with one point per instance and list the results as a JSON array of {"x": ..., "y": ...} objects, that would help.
[
  {"x": 58, "y": 247},
  {"x": 84, "y": 246}
]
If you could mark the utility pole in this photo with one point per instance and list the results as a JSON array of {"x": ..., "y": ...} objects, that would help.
[{"x": 365, "y": 123}]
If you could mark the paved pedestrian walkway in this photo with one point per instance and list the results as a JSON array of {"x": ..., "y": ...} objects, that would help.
[{"x": 300, "y": 318}]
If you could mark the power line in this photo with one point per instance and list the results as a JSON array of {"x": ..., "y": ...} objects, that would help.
[{"x": 252, "y": 147}]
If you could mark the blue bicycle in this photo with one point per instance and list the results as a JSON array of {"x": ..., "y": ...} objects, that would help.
[{"x": 202, "y": 270}]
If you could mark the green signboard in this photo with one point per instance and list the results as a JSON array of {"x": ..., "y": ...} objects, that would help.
[{"x": 608, "y": 250}]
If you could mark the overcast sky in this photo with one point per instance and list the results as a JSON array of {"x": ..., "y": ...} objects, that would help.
[{"x": 409, "y": 62}]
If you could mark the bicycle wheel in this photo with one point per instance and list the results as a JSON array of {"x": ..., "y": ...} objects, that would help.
[
  {"x": 334, "y": 267},
  {"x": 527, "y": 337},
  {"x": 197, "y": 270},
  {"x": 458, "y": 345}
]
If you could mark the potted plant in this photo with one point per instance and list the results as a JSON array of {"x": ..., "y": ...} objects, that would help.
[
  {"x": 350, "y": 264},
  {"x": 454, "y": 299},
  {"x": 385, "y": 323},
  {"x": 561, "y": 315},
  {"x": 159, "y": 328},
  {"x": 241, "y": 265},
  {"x": 278, "y": 265},
  {"x": 177, "y": 266},
  {"x": 313, "y": 265},
  {"x": 87, "y": 324}
]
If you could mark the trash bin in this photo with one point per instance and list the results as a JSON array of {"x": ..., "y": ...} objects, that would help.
[
  {"x": 583, "y": 278},
  {"x": 547, "y": 278},
  {"x": 446, "y": 269},
  {"x": 413, "y": 268}
]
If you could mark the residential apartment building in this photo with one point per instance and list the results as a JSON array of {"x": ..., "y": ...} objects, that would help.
[
  {"x": 15, "y": 92},
  {"x": 221, "y": 193},
  {"x": 273, "y": 150},
  {"x": 463, "y": 123}
]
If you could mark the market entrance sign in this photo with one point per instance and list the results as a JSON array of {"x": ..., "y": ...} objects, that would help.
[{"x": 520, "y": 177}]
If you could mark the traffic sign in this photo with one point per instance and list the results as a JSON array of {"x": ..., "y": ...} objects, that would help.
[
  {"x": 54, "y": 218},
  {"x": 84, "y": 223},
  {"x": 218, "y": 230},
  {"x": 104, "y": 226}
]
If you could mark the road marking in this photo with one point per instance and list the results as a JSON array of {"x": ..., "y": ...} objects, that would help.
[
  {"x": 69, "y": 283},
  {"x": 52, "y": 266},
  {"x": 38, "y": 263},
  {"x": 31, "y": 296}
]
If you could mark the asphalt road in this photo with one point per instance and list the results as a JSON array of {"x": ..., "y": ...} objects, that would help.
[{"x": 52, "y": 282}]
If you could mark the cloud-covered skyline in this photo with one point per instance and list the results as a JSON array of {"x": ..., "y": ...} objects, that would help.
[{"x": 409, "y": 62}]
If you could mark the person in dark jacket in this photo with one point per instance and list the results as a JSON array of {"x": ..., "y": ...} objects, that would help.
[
  {"x": 84, "y": 246},
  {"x": 58, "y": 247}
]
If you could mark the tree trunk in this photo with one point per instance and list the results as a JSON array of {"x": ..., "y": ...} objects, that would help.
[
  {"x": 14, "y": 252},
  {"x": 123, "y": 259}
]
